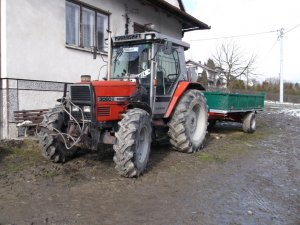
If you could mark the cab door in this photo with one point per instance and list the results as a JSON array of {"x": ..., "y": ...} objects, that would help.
[{"x": 167, "y": 74}]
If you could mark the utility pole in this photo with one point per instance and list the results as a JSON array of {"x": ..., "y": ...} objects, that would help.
[
  {"x": 247, "y": 74},
  {"x": 280, "y": 37}
]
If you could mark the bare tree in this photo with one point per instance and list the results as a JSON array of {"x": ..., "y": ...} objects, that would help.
[{"x": 234, "y": 62}]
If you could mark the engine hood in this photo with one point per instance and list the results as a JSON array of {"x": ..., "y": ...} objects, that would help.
[
  {"x": 113, "y": 83},
  {"x": 114, "y": 88}
]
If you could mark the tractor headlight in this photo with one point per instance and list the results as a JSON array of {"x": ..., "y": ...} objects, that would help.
[
  {"x": 87, "y": 109},
  {"x": 75, "y": 108}
]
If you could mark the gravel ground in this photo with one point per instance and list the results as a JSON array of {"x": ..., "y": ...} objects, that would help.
[{"x": 238, "y": 179}]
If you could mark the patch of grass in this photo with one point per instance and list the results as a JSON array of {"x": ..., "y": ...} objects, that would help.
[
  {"x": 51, "y": 174},
  {"x": 206, "y": 157},
  {"x": 18, "y": 157},
  {"x": 234, "y": 144}
]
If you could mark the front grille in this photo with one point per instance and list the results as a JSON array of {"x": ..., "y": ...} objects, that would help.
[
  {"x": 80, "y": 93},
  {"x": 103, "y": 111},
  {"x": 78, "y": 116}
]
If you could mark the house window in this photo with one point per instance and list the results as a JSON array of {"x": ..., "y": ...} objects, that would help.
[
  {"x": 138, "y": 28},
  {"x": 85, "y": 27}
]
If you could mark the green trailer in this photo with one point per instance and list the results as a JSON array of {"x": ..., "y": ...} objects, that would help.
[{"x": 234, "y": 107}]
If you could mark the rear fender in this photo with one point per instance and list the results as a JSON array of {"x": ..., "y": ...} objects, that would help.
[{"x": 182, "y": 87}]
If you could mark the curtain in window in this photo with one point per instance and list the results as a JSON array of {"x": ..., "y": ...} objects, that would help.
[
  {"x": 72, "y": 24},
  {"x": 88, "y": 24},
  {"x": 101, "y": 33}
]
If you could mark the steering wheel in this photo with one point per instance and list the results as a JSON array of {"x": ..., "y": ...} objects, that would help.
[{"x": 170, "y": 79}]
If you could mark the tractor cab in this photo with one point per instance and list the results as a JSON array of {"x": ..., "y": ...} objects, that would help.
[{"x": 152, "y": 60}]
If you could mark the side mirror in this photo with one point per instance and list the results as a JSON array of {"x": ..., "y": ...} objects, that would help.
[
  {"x": 168, "y": 48},
  {"x": 192, "y": 74}
]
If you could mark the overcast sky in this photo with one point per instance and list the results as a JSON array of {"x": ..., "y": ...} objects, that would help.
[{"x": 237, "y": 17}]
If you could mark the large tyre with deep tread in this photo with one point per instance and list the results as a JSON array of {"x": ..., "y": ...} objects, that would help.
[
  {"x": 133, "y": 142},
  {"x": 188, "y": 125},
  {"x": 249, "y": 123},
  {"x": 51, "y": 146}
]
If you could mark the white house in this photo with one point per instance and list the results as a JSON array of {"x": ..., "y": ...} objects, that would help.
[
  {"x": 46, "y": 43},
  {"x": 214, "y": 76}
]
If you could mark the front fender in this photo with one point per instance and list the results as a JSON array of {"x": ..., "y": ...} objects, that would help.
[{"x": 140, "y": 105}]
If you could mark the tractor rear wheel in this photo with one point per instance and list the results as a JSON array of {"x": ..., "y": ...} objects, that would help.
[
  {"x": 132, "y": 148},
  {"x": 249, "y": 123},
  {"x": 188, "y": 125},
  {"x": 51, "y": 146}
]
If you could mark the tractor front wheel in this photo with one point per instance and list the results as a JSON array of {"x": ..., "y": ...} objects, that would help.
[
  {"x": 133, "y": 141},
  {"x": 51, "y": 146},
  {"x": 188, "y": 125}
]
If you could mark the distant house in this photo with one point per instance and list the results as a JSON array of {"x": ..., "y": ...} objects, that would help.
[
  {"x": 214, "y": 76},
  {"x": 46, "y": 43}
]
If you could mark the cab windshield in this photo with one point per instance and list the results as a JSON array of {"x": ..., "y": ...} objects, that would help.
[{"x": 131, "y": 61}]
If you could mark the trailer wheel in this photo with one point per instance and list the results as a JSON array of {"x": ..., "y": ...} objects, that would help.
[
  {"x": 188, "y": 125},
  {"x": 51, "y": 146},
  {"x": 133, "y": 142},
  {"x": 249, "y": 123}
]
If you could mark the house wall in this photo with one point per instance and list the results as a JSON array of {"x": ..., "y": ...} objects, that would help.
[
  {"x": 37, "y": 60},
  {"x": 36, "y": 37}
]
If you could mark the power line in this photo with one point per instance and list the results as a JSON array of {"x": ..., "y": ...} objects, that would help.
[
  {"x": 244, "y": 35},
  {"x": 235, "y": 36},
  {"x": 293, "y": 28},
  {"x": 269, "y": 51}
]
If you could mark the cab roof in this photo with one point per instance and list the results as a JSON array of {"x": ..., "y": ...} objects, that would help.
[{"x": 149, "y": 37}]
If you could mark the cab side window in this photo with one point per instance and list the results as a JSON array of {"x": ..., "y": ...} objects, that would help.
[{"x": 168, "y": 70}]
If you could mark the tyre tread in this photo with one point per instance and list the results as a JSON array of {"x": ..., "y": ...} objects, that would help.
[
  {"x": 179, "y": 138},
  {"x": 125, "y": 141},
  {"x": 52, "y": 148}
]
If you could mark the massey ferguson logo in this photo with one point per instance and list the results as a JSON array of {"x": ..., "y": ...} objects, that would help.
[{"x": 128, "y": 37}]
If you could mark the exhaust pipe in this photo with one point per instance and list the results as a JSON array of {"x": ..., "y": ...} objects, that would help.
[{"x": 109, "y": 55}]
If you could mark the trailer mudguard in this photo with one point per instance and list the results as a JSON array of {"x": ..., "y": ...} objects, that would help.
[{"x": 182, "y": 87}]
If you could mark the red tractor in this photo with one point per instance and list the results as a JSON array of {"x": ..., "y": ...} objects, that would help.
[{"x": 147, "y": 88}]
